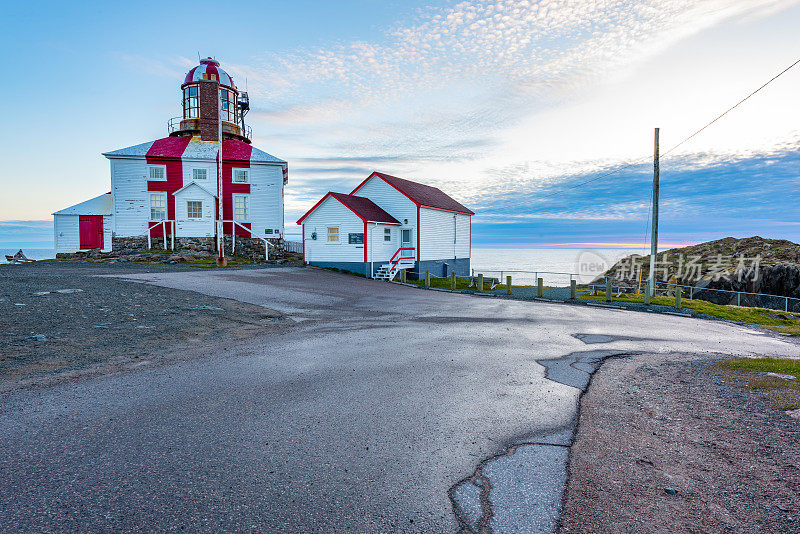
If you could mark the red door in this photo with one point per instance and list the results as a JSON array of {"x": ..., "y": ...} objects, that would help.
[{"x": 91, "y": 231}]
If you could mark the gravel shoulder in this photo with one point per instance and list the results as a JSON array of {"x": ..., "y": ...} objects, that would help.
[
  {"x": 64, "y": 319},
  {"x": 651, "y": 425}
]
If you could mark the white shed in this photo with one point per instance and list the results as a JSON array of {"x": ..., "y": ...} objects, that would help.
[{"x": 84, "y": 226}]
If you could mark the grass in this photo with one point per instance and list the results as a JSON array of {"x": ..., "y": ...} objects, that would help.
[
  {"x": 751, "y": 373},
  {"x": 774, "y": 320},
  {"x": 461, "y": 284}
]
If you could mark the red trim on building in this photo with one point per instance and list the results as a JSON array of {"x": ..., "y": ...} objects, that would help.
[
  {"x": 418, "y": 234},
  {"x": 379, "y": 176},
  {"x": 365, "y": 241},
  {"x": 300, "y": 220},
  {"x": 167, "y": 152}
]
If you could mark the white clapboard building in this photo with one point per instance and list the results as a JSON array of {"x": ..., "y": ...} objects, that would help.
[
  {"x": 387, "y": 224},
  {"x": 166, "y": 192}
]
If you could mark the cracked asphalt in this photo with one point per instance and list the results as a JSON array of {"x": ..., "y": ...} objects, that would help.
[{"x": 384, "y": 409}]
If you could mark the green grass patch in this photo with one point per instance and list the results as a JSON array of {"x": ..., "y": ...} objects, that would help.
[
  {"x": 759, "y": 316},
  {"x": 786, "y": 366},
  {"x": 783, "y": 393}
]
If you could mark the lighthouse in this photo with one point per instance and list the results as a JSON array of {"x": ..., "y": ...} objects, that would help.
[{"x": 177, "y": 193}]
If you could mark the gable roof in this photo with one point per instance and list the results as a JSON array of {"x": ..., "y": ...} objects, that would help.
[
  {"x": 193, "y": 147},
  {"x": 99, "y": 205},
  {"x": 421, "y": 194},
  {"x": 195, "y": 184},
  {"x": 364, "y": 208}
]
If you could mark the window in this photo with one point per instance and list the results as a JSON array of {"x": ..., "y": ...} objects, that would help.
[
  {"x": 333, "y": 234},
  {"x": 194, "y": 209},
  {"x": 199, "y": 174},
  {"x": 387, "y": 234},
  {"x": 241, "y": 208},
  {"x": 191, "y": 103},
  {"x": 157, "y": 172},
  {"x": 227, "y": 105},
  {"x": 240, "y": 176},
  {"x": 158, "y": 206}
]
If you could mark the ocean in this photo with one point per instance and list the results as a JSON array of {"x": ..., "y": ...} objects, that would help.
[
  {"x": 553, "y": 265},
  {"x": 586, "y": 264}
]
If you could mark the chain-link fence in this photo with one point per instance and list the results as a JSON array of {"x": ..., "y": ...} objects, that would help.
[{"x": 716, "y": 296}]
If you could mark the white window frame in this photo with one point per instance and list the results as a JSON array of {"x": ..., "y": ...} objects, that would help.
[
  {"x": 150, "y": 170},
  {"x": 328, "y": 240},
  {"x": 387, "y": 232},
  {"x": 165, "y": 207},
  {"x": 247, "y": 201},
  {"x": 195, "y": 178},
  {"x": 408, "y": 243},
  {"x": 188, "y": 213},
  {"x": 246, "y": 175}
]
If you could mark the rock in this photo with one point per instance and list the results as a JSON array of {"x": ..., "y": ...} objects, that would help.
[
  {"x": 214, "y": 308},
  {"x": 69, "y": 290},
  {"x": 37, "y": 337},
  {"x": 671, "y": 491}
]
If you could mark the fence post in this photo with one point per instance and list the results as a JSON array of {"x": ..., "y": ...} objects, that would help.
[
  {"x": 678, "y": 294},
  {"x": 608, "y": 289},
  {"x": 508, "y": 285},
  {"x": 539, "y": 287},
  {"x": 573, "y": 293},
  {"x": 647, "y": 293},
  {"x": 786, "y": 307},
  {"x": 427, "y": 279},
  {"x": 453, "y": 280},
  {"x": 403, "y": 275},
  {"x": 738, "y": 299},
  {"x": 480, "y": 283},
  {"x": 149, "y": 242}
]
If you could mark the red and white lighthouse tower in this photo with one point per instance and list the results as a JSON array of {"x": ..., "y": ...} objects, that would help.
[
  {"x": 210, "y": 99},
  {"x": 203, "y": 187}
]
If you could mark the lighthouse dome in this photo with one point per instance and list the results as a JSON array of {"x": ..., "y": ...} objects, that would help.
[{"x": 209, "y": 69}]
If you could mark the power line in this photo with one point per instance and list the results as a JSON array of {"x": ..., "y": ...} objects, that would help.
[
  {"x": 718, "y": 117},
  {"x": 643, "y": 159}
]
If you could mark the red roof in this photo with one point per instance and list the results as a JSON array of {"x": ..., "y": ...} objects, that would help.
[
  {"x": 366, "y": 209},
  {"x": 421, "y": 194}
]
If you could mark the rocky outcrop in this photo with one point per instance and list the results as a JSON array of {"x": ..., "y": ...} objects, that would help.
[{"x": 753, "y": 264}]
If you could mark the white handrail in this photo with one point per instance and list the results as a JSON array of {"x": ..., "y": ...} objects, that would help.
[
  {"x": 163, "y": 224},
  {"x": 250, "y": 231}
]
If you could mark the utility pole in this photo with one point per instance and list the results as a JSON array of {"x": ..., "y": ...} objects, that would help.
[
  {"x": 221, "y": 261},
  {"x": 651, "y": 282}
]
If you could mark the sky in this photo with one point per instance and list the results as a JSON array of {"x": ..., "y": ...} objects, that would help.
[{"x": 510, "y": 106}]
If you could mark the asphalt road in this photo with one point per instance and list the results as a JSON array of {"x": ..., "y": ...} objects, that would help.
[{"x": 378, "y": 407}]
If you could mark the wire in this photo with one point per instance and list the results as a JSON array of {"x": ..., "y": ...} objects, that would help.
[
  {"x": 643, "y": 159},
  {"x": 718, "y": 117}
]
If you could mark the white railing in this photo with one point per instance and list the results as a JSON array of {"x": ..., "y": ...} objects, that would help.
[
  {"x": 163, "y": 225},
  {"x": 293, "y": 246},
  {"x": 174, "y": 125},
  {"x": 267, "y": 244}
]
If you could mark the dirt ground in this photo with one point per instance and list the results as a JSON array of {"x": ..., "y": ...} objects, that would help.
[
  {"x": 62, "y": 319},
  {"x": 665, "y": 445}
]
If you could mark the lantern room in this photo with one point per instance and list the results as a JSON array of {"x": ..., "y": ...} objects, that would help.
[{"x": 210, "y": 102}]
